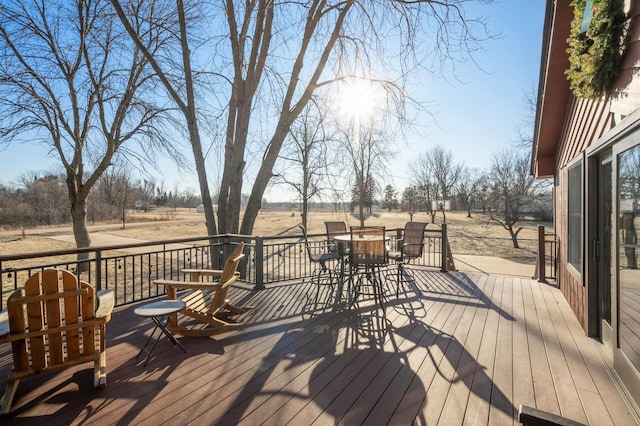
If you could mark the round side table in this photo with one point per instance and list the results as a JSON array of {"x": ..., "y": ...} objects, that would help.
[{"x": 159, "y": 312}]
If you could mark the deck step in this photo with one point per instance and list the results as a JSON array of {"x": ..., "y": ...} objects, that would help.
[{"x": 530, "y": 416}]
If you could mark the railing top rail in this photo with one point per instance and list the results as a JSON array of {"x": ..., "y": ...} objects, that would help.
[
  {"x": 30, "y": 255},
  {"x": 226, "y": 236}
]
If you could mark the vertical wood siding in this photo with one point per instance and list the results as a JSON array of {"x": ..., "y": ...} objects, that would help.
[
  {"x": 625, "y": 96},
  {"x": 586, "y": 122}
]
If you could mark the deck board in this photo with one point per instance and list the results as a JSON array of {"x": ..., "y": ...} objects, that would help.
[
  {"x": 522, "y": 375},
  {"x": 503, "y": 411},
  {"x": 453, "y": 348}
]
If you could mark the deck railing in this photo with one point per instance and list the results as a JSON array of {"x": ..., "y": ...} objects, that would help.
[
  {"x": 546, "y": 258},
  {"x": 131, "y": 269}
]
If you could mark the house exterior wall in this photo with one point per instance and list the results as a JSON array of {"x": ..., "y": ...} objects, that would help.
[
  {"x": 625, "y": 93},
  {"x": 601, "y": 136},
  {"x": 586, "y": 122}
]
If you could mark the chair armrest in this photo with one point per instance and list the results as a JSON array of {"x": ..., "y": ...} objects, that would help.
[
  {"x": 192, "y": 285},
  {"x": 4, "y": 324},
  {"x": 106, "y": 303},
  {"x": 204, "y": 272}
]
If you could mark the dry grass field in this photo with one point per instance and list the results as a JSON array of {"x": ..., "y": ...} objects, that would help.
[{"x": 476, "y": 235}]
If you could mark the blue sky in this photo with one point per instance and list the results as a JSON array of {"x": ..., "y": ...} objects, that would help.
[{"x": 477, "y": 114}]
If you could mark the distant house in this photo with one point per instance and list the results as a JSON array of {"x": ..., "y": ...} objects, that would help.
[
  {"x": 141, "y": 205},
  {"x": 591, "y": 148},
  {"x": 200, "y": 208}
]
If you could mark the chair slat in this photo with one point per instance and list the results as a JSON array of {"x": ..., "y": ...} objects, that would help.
[
  {"x": 54, "y": 317},
  {"x": 35, "y": 321},
  {"x": 44, "y": 297},
  {"x": 62, "y": 329},
  {"x": 70, "y": 283},
  {"x": 18, "y": 324},
  {"x": 88, "y": 333}
]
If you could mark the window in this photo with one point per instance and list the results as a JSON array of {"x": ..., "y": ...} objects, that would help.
[
  {"x": 574, "y": 220},
  {"x": 629, "y": 252}
]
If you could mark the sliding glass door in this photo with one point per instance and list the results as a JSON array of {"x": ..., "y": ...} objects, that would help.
[{"x": 628, "y": 251}]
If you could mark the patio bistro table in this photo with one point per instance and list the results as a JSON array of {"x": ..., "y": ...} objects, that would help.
[
  {"x": 344, "y": 241},
  {"x": 159, "y": 312}
]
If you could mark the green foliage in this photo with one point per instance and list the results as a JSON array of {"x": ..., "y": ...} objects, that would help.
[
  {"x": 595, "y": 56},
  {"x": 390, "y": 201}
]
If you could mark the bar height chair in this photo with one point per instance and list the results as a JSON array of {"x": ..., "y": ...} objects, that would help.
[
  {"x": 321, "y": 275},
  {"x": 410, "y": 247}
]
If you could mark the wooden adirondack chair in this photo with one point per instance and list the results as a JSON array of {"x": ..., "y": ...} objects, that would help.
[
  {"x": 52, "y": 324},
  {"x": 207, "y": 302}
]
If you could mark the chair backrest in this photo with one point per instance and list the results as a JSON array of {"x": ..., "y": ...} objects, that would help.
[
  {"x": 229, "y": 275},
  {"x": 368, "y": 246},
  {"x": 55, "y": 314},
  {"x": 231, "y": 265},
  {"x": 413, "y": 239},
  {"x": 306, "y": 242},
  {"x": 335, "y": 228}
]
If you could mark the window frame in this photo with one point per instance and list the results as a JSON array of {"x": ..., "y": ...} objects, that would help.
[{"x": 575, "y": 199}]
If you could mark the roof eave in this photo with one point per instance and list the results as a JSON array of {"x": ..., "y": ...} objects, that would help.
[{"x": 553, "y": 88}]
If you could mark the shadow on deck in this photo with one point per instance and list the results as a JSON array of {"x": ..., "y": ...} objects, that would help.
[{"x": 451, "y": 349}]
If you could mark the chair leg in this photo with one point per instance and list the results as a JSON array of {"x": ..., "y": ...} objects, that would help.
[
  {"x": 316, "y": 278},
  {"x": 100, "y": 370},
  {"x": 7, "y": 398},
  {"x": 355, "y": 290},
  {"x": 317, "y": 282},
  {"x": 378, "y": 286}
]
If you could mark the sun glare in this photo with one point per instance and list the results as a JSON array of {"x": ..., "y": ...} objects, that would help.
[{"x": 357, "y": 98}]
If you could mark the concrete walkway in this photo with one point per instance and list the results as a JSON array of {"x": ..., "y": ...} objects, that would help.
[{"x": 492, "y": 265}]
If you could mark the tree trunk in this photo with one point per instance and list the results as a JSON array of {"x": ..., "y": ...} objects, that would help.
[
  {"x": 80, "y": 231},
  {"x": 209, "y": 215},
  {"x": 514, "y": 236},
  {"x": 262, "y": 179},
  {"x": 230, "y": 196},
  {"x": 305, "y": 207}
]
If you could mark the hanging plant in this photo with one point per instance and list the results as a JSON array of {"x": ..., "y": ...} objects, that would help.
[{"x": 595, "y": 55}]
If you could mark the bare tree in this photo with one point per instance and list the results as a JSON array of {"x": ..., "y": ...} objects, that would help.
[
  {"x": 368, "y": 152},
  {"x": 426, "y": 187},
  {"x": 469, "y": 191},
  {"x": 116, "y": 191},
  {"x": 525, "y": 127},
  {"x": 514, "y": 189},
  {"x": 436, "y": 174},
  {"x": 69, "y": 79},
  {"x": 177, "y": 79},
  {"x": 410, "y": 201},
  {"x": 446, "y": 172},
  {"x": 306, "y": 158},
  {"x": 330, "y": 40},
  {"x": 45, "y": 196},
  {"x": 271, "y": 57}
]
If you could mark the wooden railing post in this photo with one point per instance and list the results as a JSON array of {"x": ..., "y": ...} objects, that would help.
[
  {"x": 444, "y": 248},
  {"x": 541, "y": 264},
  {"x": 259, "y": 255}
]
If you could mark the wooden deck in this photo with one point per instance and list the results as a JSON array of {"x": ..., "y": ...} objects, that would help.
[{"x": 453, "y": 349}]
